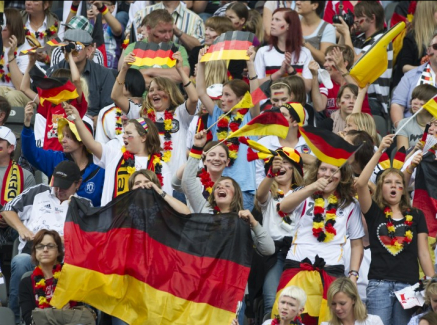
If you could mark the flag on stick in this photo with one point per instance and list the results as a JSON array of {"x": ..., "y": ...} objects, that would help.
[
  {"x": 149, "y": 54},
  {"x": 139, "y": 260},
  {"x": 328, "y": 147},
  {"x": 54, "y": 90},
  {"x": 230, "y": 46}
]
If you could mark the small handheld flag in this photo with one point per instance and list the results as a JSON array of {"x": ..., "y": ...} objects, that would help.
[
  {"x": 431, "y": 106},
  {"x": 150, "y": 54},
  {"x": 230, "y": 46}
]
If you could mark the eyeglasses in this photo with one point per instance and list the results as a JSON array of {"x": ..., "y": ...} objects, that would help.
[
  {"x": 434, "y": 46},
  {"x": 41, "y": 247}
]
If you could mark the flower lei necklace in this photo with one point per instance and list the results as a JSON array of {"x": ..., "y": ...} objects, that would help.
[
  {"x": 408, "y": 236},
  {"x": 154, "y": 163},
  {"x": 225, "y": 122},
  {"x": 168, "y": 125},
  {"x": 277, "y": 321},
  {"x": 325, "y": 231},
  {"x": 285, "y": 216},
  {"x": 40, "y": 285},
  {"x": 52, "y": 30},
  {"x": 205, "y": 179},
  {"x": 5, "y": 77},
  {"x": 118, "y": 123}
]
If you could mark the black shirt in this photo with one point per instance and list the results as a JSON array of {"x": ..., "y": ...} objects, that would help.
[{"x": 403, "y": 267}]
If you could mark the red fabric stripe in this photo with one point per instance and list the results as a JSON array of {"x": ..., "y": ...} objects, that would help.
[
  {"x": 258, "y": 95},
  {"x": 326, "y": 148},
  {"x": 271, "y": 70},
  {"x": 269, "y": 118},
  {"x": 428, "y": 205},
  {"x": 286, "y": 276},
  {"x": 153, "y": 54},
  {"x": 154, "y": 263},
  {"x": 230, "y": 45}
]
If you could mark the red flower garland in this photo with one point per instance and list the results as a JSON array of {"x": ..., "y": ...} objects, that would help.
[
  {"x": 205, "y": 179},
  {"x": 40, "y": 285}
]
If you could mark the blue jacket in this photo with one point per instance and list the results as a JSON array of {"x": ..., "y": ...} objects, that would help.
[{"x": 46, "y": 161}]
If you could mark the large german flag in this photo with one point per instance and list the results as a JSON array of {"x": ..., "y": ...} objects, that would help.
[
  {"x": 230, "y": 46},
  {"x": 54, "y": 90},
  {"x": 327, "y": 146},
  {"x": 425, "y": 192},
  {"x": 152, "y": 54},
  {"x": 270, "y": 122},
  {"x": 139, "y": 260}
]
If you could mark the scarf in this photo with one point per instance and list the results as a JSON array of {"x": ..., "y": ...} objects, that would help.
[
  {"x": 13, "y": 183},
  {"x": 426, "y": 76}
]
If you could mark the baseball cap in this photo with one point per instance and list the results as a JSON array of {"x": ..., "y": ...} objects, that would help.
[
  {"x": 80, "y": 22},
  {"x": 8, "y": 135},
  {"x": 78, "y": 35},
  {"x": 66, "y": 173},
  {"x": 64, "y": 122}
]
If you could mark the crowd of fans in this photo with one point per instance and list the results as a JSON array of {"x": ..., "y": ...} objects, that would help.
[{"x": 347, "y": 234}]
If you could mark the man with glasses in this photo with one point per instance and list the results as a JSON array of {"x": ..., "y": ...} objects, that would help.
[
  {"x": 424, "y": 74},
  {"x": 39, "y": 207},
  {"x": 369, "y": 24},
  {"x": 100, "y": 79}
]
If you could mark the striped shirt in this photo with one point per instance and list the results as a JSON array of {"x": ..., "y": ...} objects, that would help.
[
  {"x": 380, "y": 89},
  {"x": 186, "y": 20}
]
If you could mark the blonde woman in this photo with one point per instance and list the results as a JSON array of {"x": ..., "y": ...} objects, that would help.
[
  {"x": 362, "y": 122},
  {"x": 346, "y": 305}
]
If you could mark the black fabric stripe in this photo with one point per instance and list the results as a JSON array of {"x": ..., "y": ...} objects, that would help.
[{"x": 223, "y": 236}]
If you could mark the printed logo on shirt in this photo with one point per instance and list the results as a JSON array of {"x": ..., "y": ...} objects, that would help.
[
  {"x": 47, "y": 206},
  {"x": 305, "y": 149},
  {"x": 90, "y": 187},
  {"x": 160, "y": 125}
]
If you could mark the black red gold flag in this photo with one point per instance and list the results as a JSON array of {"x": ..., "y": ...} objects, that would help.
[
  {"x": 139, "y": 260},
  {"x": 202, "y": 124},
  {"x": 150, "y": 54},
  {"x": 399, "y": 158},
  {"x": 230, "y": 46},
  {"x": 327, "y": 146},
  {"x": 262, "y": 92},
  {"x": 425, "y": 191},
  {"x": 54, "y": 90}
]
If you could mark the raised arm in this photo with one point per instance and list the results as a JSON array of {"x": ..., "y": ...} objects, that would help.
[
  {"x": 16, "y": 75},
  {"x": 117, "y": 91},
  {"x": 319, "y": 100},
  {"x": 364, "y": 196},
  {"x": 262, "y": 193},
  {"x": 253, "y": 79},
  {"x": 291, "y": 201},
  {"x": 410, "y": 169},
  {"x": 86, "y": 136},
  {"x": 114, "y": 24},
  {"x": 75, "y": 76},
  {"x": 177, "y": 205},
  {"x": 188, "y": 85},
  {"x": 25, "y": 82},
  {"x": 358, "y": 106},
  {"x": 201, "y": 86}
]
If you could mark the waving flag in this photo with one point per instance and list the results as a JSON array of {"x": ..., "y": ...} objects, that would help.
[
  {"x": 262, "y": 92},
  {"x": 54, "y": 90},
  {"x": 230, "y": 46},
  {"x": 139, "y": 260},
  {"x": 327, "y": 146},
  {"x": 150, "y": 54},
  {"x": 431, "y": 106}
]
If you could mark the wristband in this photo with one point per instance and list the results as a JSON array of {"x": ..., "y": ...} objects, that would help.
[
  {"x": 12, "y": 59},
  {"x": 188, "y": 83},
  {"x": 179, "y": 36},
  {"x": 163, "y": 194},
  {"x": 74, "y": 8},
  {"x": 196, "y": 152},
  {"x": 408, "y": 170},
  {"x": 253, "y": 78},
  {"x": 103, "y": 10},
  {"x": 354, "y": 273}
]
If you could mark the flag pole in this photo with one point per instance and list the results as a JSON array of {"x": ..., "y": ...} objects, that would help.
[
  {"x": 347, "y": 160},
  {"x": 221, "y": 117},
  {"x": 399, "y": 130}
]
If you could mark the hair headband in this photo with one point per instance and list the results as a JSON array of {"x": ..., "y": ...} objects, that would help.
[
  {"x": 281, "y": 84},
  {"x": 143, "y": 123}
]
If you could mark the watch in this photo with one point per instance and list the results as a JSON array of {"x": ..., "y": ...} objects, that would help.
[{"x": 163, "y": 194}]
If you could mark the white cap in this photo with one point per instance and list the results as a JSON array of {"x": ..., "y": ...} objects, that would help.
[{"x": 8, "y": 135}]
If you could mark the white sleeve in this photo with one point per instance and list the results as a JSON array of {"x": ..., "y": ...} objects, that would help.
[
  {"x": 100, "y": 135},
  {"x": 23, "y": 60},
  {"x": 355, "y": 227},
  {"x": 39, "y": 128},
  {"x": 306, "y": 73},
  {"x": 166, "y": 175},
  {"x": 191, "y": 131},
  {"x": 259, "y": 171},
  {"x": 184, "y": 117},
  {"x": 110, "y": 151},
  {"x": 260, "y": 66},
  {"x": 134, "y": 110}
]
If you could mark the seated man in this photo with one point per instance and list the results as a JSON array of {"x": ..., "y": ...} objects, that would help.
[
  {"x": 39, "y": 207},
  {"x": 99, "y": 79},
  {"x": 159, "y": 26}
]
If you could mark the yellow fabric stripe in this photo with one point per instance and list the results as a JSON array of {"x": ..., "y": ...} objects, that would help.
[
  {"x": 225, "y": 55},
  {"x": 131, "y": 300},
  {"x": 61, "y": 97},
  {"x": 261, "y": 129},
  {"x": 150, "y": 62}
]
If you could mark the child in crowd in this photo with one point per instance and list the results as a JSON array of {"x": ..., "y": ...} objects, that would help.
[{"x": 430, "y": 300}]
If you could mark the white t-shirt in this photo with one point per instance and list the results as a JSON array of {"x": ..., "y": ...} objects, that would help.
[
  {"x": 191, "y": 132},
  {"x": 272, "y": 142},
  {"x": 267, "y": 60},
  {"x": 22, "y": 62},
  {"x": 273, "y": 223},
  {"x": 181, "y": 122},
  {"x": 371, "y": 320},
  {"x": 305, "y": 245},
  {"x": 111, "y": 155}
]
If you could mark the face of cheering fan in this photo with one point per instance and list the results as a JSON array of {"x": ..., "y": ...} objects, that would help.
[
  {"x": 216, "y": 160},
  {"x": 69, "y": 142},
  {"x": 347, "y": 101},
  {"x": 280, "y": 96},
  {"x": 224, "y": 192},
  {"x": 342, "y": 306},
  {"x": 288, "y": 308},
  {"x": 229, "y": 99},
  {"x": 326, "y": 171},
  {"x": 288, "y": 116},
  {"x": 47, "y": 251},
  {"x": 392, "y": 188},
  {"x": 133, "y": 141},
  {"x": 158, "y": 97},
  {"x": 210, "y": 35},
  {"x": 5, "y": 148},
  {"x": 278, "y": 26},
  {"x": 285, "y": 173}
]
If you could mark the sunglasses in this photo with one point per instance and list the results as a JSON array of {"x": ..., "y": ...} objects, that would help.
[{"x": 434, "y": 46}]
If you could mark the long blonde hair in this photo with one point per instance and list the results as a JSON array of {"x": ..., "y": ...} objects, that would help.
[
  {"x": 175, "y": 96},
  {"x": 424, "y": 24},
  {"x": 346, "y": 286},
  {"x": 366, "y": 123}
]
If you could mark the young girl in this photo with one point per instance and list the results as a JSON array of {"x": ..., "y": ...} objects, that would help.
[
  {"x": 165, "y": 106},
  {"x": 140, "y": 150},
  {"x": 346, "y": 305},
  {"x": 241, "y": 171},
  {"x": 362, "y": 122},
  {"x": 430, "y": 301},
  {"x": 284, "y": 174},
  {"x": 327, "y": 214},
  {"x": 285, "y": 48},
  {"x": 238, "y": 13},
  {"x": 398, "y": 240}
]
